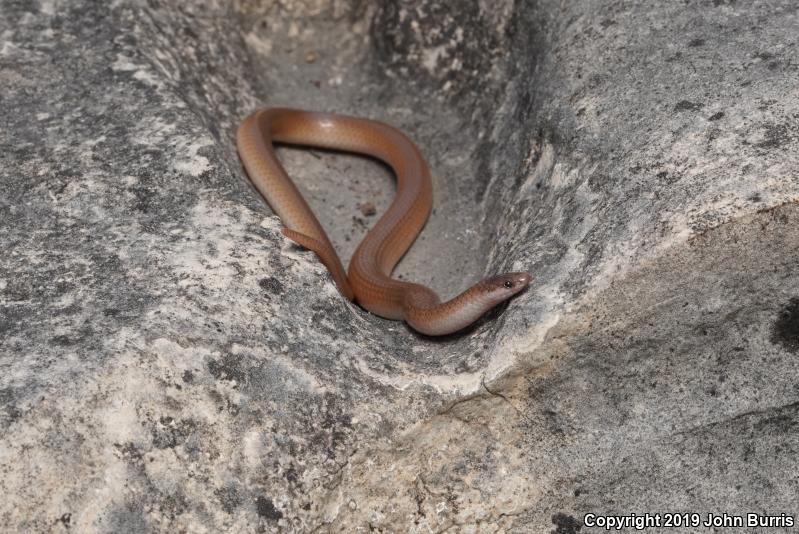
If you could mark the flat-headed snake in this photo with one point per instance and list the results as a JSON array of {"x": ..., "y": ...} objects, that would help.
[{"x": 368, "y": 281}]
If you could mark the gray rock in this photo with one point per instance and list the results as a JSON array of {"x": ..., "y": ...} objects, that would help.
[{"x": 170, "y": 363}]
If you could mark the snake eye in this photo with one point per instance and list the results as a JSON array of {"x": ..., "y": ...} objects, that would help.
[{"x": 508, "y": 284}]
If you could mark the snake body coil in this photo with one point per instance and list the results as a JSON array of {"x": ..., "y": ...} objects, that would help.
[{"x": 368, "y": 281}]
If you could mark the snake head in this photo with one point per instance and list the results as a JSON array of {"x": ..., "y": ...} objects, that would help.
[
  {"x": 504, "y": 286},
  {"x": 461, "y": 311}
]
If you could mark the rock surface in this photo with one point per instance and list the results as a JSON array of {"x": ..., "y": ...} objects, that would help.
[{"x": 169, "y": 363}]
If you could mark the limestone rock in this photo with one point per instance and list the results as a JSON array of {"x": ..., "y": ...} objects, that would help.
[{"x": 170, "y": 363}]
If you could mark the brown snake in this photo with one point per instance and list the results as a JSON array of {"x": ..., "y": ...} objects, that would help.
[{"x": 368, "y": 281}]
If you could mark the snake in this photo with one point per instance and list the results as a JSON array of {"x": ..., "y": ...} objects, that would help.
[{"x": 368, "y": 280}]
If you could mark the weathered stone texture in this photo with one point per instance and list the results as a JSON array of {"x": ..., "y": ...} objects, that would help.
[{"x": 170, "y": 363}]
